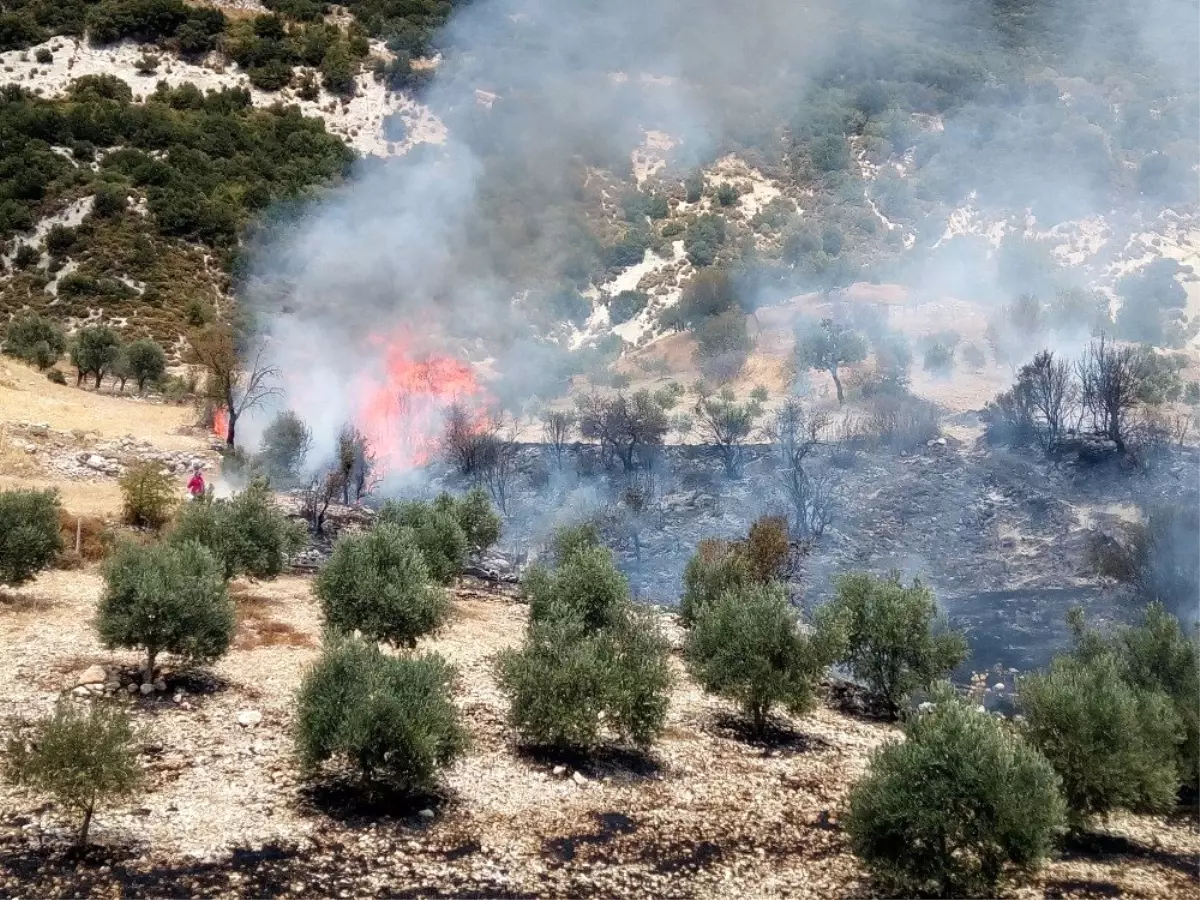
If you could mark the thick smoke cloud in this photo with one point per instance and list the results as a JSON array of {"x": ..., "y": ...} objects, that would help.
[{"x": 537, "y": 94}]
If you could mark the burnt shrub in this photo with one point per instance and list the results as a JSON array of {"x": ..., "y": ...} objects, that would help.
[
  {"x": 896, "y": 640},
  {"x": 378, "y": 584},
  {"x": 746, "y": 645},
  {"x": 1113, "y": 744},
  {"x": 390, "y": 720},
  {"x": 958, "y": 805}
]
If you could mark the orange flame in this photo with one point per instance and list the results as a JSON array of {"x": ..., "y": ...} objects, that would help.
[
  {"x": 220, "y": 422},
  {"x": 401, "y": 414}
]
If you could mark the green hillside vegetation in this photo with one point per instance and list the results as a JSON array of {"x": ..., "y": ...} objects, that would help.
[{"x": 205, "y": 165}]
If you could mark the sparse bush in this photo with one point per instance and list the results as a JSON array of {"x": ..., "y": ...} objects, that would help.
[
  {"x": 56, "y": 376},
  {"x": 166, "y": 598},
  {"x": 391, "y": 719},
  {"x": 81, "y": 759},
  {"x": 442, "y": 542},
  {"x": 746, "y": 645},
  {"x": 1113, "y": 745},
  {"x": 285, "y": 445},
  {"x": 248, "y": 534},
  {"x": 727, "y": 195},
  {"x": 957, "y": 806},
  {"x": 974, "y": 357},
  {"x": 29, "y": 536},
  {"x": 939, "y": 359},
  {"x": 896, "y": 641},
  {"x": 570, "y": 686},
  {"x": 378, "y": 583},
  {"x": 147, "y": 496},
  {"x": 715, "y": 568},
  {"x": 903, "y": 421},
  {"x": 767, "y": 548}
]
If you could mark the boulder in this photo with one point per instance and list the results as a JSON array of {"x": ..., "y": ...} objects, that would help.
[
  {"x": 92, "y": 675},
  {"x": 248, "y": 718}
]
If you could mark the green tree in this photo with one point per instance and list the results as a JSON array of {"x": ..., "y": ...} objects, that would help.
[
  {"x": 955, "y": 807},
  {"x": 338, "y": 70},
  {"x": 437, "y": 532},
  {"x": 29, "y": 533},
  {"x": 378, "y": 584},
  {"x": 94, "y": 351},
  {"x": 35, "y": 339},
  {"x": 586, "y": 586},
  {"x": 248, "y": 533},
  {"x": 144, "y": 360},
  {"x": 1113, "y": 745},
  {"x": 727, "y": 424},
  {"x": 746, "y": 645},
  {"x": 166, "y": 598},
  {"x": 829, "y": 347},
  {"x": 81, "y": 759},
  {"x": 475, "y": 516},
  {"x": 392, "y": 719},
  {"x": 896, "y": 641}
]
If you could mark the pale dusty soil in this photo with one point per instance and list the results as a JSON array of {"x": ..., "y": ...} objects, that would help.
[
  {"x": 706, "y": 815},
  {"x": 26, "y": 396}
]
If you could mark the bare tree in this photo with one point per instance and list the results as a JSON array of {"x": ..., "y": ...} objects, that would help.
[
  {"x": 627, "y": 426},
  {"x": 557, "y": 427},
  {"x": 811, "y": 492},
  {"x": 322, "y": 489},
  {"x": 1111, "y": 380},
  {"x": 229, "y": 383},
  {"x": 355, "y": 463},
  {"x": 727, "y": 425},
  {"x": 1049, "y": 388},
  {"x": 497, "y": 469},
  {"x": 467, "y": 439}
]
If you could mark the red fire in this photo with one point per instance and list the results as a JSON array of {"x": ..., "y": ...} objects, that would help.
[
  {"x": 402, "y": 408},
  {"x": 220, "y": 422}
]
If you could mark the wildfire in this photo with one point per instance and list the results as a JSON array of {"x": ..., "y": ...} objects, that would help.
[
  {"x": 401, "y": 411},
  {"x": 220, "y": 422}
]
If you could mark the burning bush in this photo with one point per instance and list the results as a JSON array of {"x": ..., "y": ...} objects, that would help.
[
  {"x": 746, "y": 645},
  {"x": 956, "y": 806},
  {"x": 378, "y": 584},
  {"x": 896, "y": 642},
  {"x": 391, "y": 719}
]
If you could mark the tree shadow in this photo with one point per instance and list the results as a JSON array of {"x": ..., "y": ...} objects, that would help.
[
  {"x": 609, "y": 826},
  {"x": 1096, "y": 844},
  {"x": 616, "y": 763},
  {"x": 775, "y": 736},
  {"x": 351, "y": 801}
]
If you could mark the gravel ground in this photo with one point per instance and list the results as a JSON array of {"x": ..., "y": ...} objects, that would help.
[{"x": 709, "y": 814}]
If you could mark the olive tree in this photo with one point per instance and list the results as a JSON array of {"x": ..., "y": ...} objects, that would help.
[
  {"x": 29, "y": 534},
  {"x": 829, "y": 347}
]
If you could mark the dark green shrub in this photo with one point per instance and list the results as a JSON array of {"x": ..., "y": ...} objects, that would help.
[
  {"x": 716, "y": 567},
  {"x": 437, "y": 533},
  {"x": 570, "y": 686},
  {"x": 29, "y": 534},
  {"x": 727, "y": 195},
  {"x": 587, "y": 586},
  {"x": 35, "y": 339},
  {"x": 147, "y": 496},
  {"x": 958, "y": 805},
  {"x": 81, "y": 759},
  {"x": 625, "y": 305},
  {"x": 1114, "y": 745},
  {"x": 144, "y": 360},
  {"x": 767, "y": 548},
  {"x": 166, "y": 598},
  {"x": 285, "y": 445},
  {"x": 896, "y": 641},
  {"x": 248, "y": 534},
  {"x": 391, "y": 719},
  {"x": 378, "y": 584},
  {"x": 475, "y": 515},
  {"x": 60, "y": 239},
  {"x": 565, "y": 541},
  {"x": 56, "y": 376},
  {"x": 110, "y": 201},
  {"x": 44, "y": 56},
  {"x": 746, "y": 645}
]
